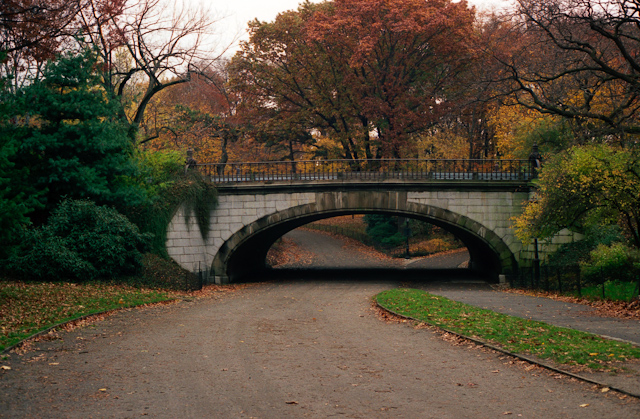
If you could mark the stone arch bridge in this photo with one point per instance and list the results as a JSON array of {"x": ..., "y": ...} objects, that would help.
[{"x": 259, "y": 204}]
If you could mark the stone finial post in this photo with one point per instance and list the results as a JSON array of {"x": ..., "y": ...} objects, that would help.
[
  {"x": 535, "y": 160},
  {"x": 190, "y": 162}
]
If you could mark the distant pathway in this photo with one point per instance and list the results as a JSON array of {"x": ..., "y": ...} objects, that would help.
[
  {"x": 448, "y": 260},
  {"x": 329, "y": 251}
]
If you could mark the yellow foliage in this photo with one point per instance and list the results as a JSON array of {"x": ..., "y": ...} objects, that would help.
[
  {"x": 511, "y": 125},
  {"x": 442, "y": 145}
]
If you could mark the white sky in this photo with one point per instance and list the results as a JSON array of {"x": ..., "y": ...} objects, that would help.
[
  {"x": 238, "y": 12},
  {"x": 266, "y": 10}
]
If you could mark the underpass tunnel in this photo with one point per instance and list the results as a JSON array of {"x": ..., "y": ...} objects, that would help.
[{"x": 247, "y": 260}]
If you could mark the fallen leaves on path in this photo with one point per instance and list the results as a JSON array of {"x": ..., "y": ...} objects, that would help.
[
  {"x": 286, "y": 252},
  {"x": 27, "y": 307}
]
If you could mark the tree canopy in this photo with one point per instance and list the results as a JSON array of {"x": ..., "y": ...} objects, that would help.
[
  {"x": 577, "y": 59},
  {"x": 367, "y": 73},
  {"x": 584, "y": 187}
]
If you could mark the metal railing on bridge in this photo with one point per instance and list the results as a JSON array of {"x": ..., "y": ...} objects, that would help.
[{"x": 370, "y": 170}]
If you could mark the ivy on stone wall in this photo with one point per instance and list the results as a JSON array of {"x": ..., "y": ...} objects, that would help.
[
  {"x": 200, "y": 198},
  {"x": 191, "y": 189}
]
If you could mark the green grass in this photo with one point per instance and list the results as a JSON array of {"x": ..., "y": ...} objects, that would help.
[
  {"x": 514, "y": 334},
  {"x": 27, "y": 308},
  {"x": 613, "y": 290}
]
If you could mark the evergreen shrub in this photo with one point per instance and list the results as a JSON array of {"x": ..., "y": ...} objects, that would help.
[
  {"x": 383, "y": 229},
  {"x": 81, "y": 241}
]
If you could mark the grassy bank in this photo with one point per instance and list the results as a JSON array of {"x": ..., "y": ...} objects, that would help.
[
  {"x": 611, "y": 290},
  {"x": 514, "y": 334},
  {"x": 27, "y": 308}
]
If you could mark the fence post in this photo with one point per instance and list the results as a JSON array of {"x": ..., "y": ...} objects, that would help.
[
  {"x": 579, "y": 284},
  {"x": 559, "y": 279},
  {"x": 536, "y": 264},
  {"x": 546, "y": 278}
]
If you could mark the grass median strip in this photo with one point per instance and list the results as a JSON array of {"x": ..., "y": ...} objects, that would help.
[
  {"x": 517, "y": 335},
  {"x": 27, "y": 308}
]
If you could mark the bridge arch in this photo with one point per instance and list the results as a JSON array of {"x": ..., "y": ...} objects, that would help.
[{"x": 243, "y": 254}]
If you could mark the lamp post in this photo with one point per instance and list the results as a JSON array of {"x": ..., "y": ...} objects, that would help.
[
  {"x": 536, "y": 264},
  {"x": 407, "y": 233}
]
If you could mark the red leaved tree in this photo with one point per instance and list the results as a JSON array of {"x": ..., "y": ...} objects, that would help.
[{"x": 368, "y": 73}]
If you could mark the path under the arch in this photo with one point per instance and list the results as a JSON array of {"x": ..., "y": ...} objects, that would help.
[{"x": 322, "y": 250}]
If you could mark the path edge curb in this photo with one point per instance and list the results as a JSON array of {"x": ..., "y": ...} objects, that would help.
[{"x": 515, "y": 355}]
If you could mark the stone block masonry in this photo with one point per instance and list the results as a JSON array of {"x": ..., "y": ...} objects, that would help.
[
  {"x": 482, "y": 218},
  {"x": 232, "y": 214}
]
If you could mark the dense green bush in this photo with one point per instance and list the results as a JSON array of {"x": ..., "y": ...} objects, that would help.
[
  {"x": 615, "y": 262},
  {"x": 17, "y": 198},
  {"x": 383, "y": 229},
  {"x": 70, "y": 139},
  {"x": 578, "y": 251},
  {"x": 81, "y": 241}
]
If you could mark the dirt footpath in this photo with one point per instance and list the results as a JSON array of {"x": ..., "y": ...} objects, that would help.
[{"x": 284, "y": 349}]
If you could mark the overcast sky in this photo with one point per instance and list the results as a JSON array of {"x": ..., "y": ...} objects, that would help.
[
  {"x": 238, "y": 12},
  {"x": 243, "y": 11}
]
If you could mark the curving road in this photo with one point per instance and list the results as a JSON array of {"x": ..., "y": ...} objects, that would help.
[
  {"x": 283, "y": 349},
  {"x": 328, "y": 251}
]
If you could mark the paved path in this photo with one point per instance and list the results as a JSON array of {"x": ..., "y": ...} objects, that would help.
[
  {"x": 476, "y": 293},
  {"x": 289, "y": 349},
  {"x": 302, "y": 348},
  {"x": 480, "y": 294},
  {"x": 444, "y": 261}
]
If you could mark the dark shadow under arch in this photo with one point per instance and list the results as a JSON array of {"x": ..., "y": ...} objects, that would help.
[{"x": 243, "y": 255}]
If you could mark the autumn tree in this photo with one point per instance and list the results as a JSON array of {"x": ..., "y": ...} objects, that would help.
[
  {"x": 147, "y": 46},
  {"x": 367, "y": 73},
  {"x": 403, "y": 57},
  {"x": 577, "y": 59},
  {"x": 582, "y": 187},
  {"x": 516, "y": 129},
  {"x": 36, "y": 25},
  {"x": 201, "y": 115},
  {"x": 31, "y": 32}
]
